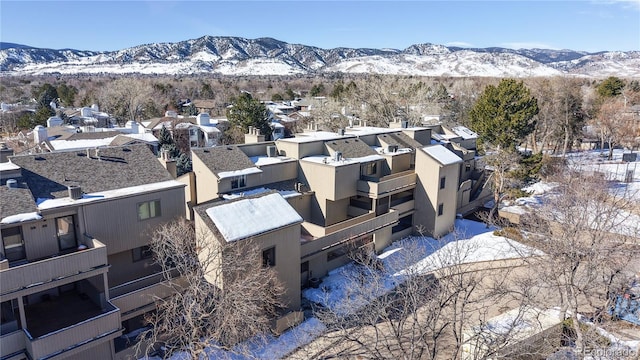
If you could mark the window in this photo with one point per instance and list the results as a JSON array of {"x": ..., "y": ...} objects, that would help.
[
  {"x": 142, "y": 253},
  {"x": 239, "y": 182},
  {"x": 370, "y": 168},
  {"x": 443, "y": 181},
  {"x": 66, "y": 231},
  {"x": 269, "y": 257},
  {"x": 440, "y": 209},
  {"x": 13, "y": 244},
  {"x": 149, "y": 209}
]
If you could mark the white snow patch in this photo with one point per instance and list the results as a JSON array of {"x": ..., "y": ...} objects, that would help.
[
  {"x": 442, "y": 154},
  {"x": 250, "y": 217},
  {"x": 109, "y": 194},
  {"x": 20, "y": 218},
  {"x": 247, "y": 171}
]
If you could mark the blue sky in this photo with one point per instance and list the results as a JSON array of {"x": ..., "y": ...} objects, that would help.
[{"x": 588, "y": 25}]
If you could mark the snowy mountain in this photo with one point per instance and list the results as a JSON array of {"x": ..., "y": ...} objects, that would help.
[{"x": 266, "y": 56}]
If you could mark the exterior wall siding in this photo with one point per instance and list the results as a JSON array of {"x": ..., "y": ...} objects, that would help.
[{"x": 117, "y": 223}]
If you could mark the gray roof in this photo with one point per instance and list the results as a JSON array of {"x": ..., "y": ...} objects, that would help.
[
  {"x": 401, "y": 139},
  {"x": 350, "y": 148},
  {"x": 224, "y": 158},
  {"x": 47, "y": 175},
  {"x": 94, "y": 135},
  {"x": 120, "y": 140},
  {"x": 16, "y": 201}
]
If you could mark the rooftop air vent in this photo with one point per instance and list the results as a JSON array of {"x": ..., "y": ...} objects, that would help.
[
  {"x": 12, "y": 183},
  {"x": 75, "y": 192}
]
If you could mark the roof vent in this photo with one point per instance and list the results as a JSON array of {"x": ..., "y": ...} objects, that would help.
[
  {"x": 12, "y": 183},
  {"x": 75, "y": 192}
]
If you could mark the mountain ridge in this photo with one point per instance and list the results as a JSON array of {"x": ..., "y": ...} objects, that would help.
[{"x": 228, "y": 55}]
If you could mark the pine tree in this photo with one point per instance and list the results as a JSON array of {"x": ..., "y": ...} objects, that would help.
[
  {"x": 247, "y": 111},
  {"x": 504, "y": 115},
  {"x": 165, "y": 137}
]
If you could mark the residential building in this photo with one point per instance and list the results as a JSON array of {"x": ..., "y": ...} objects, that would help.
[
  {"x": 76, "y": 273},
  {"x": 358, "y": 189}
]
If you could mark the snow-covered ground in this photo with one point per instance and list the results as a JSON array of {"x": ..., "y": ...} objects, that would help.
[
  {"x": 614, "y": 169},
  {"x": 471, "y": 242}
]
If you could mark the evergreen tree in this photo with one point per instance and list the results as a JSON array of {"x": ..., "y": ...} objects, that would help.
[
  {"x": 317, "y": 90},
  {"x": 247, "y": 111},
  {"x": 183, "y": 164},
  {"x": 504, "y": 115},
  {"x": 165, "y": 137},
  {"x": 44, "y": 94},
  {"x": 611, "y": 87}
]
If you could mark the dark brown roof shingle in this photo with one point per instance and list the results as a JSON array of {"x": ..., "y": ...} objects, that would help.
[
  {"x": 224, "y": 158},
  {"x": 350, "y": 148}
]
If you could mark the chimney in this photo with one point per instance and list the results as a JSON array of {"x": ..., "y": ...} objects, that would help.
[{"x": 5, "y": 152}]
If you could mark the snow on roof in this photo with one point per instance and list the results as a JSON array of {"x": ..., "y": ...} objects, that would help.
[
  {"x": 442, "y": 154},
  {"x": 369, "y": 130},
  {"x": 285, "y": 193},
  {"x": 519, "y": 324},
  {"x": 315, "y": 136},
  {"x": 20, "y": 218},
  {"x": 232, "y": 173},
  {"x": 44, "y": 204},
  {"x": 266, "y": 160},
  {"x": 91, "y": 143},
  {"x": 249, "y": 217},
  {"x": 384, "y": 151},
  {"x": 328, "y": 160},
  {"x": 464, "y": 132},
  {"x": 6, "y": 166}
]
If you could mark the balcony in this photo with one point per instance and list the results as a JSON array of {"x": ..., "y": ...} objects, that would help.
[
  {"x": 387, "y": 185},
  {"x": 322, "y": 238},
  {"x": 68, "y": 323},
  {"x": 43, "y": 271},
  {"x": 139, "y": 294},
  {"x": 11, "y": 343}
]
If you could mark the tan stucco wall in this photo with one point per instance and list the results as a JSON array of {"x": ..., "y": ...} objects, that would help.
[
  {"x": 428, "y": 195},
  {"x": 206, "y": 181},
  {"x": 287, "y": 247}
]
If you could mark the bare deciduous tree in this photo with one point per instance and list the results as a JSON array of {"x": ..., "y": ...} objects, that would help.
[
  {"x": 415, "y": 307},
  {"x": 201, "y": 317},
  {"x": 588, "y": 242}
]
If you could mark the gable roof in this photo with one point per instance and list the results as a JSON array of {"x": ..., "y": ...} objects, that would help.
[
  {"x": 350, "y": 148},
  {"x": 49, "y": 174},
  {"x": 403, "y": 140},
  {"x": 441, "y": 154},
  {"x": 224, "y": 159},
  {"x": 247, "y": 217}
]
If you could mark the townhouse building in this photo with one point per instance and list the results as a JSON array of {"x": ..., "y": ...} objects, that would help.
[
  {"x": 76, "y": 273},
  {"x": 358, "y": 189}
]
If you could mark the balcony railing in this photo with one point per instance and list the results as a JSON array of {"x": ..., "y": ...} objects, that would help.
[
  {"x": 57, "y": 267},
  {"x": 102, "y": 327},
  {"x": 138, "y": 294},
  {"x": 365, "y": 225},
  {"x": 12, "y": 343},
  {"x": 387, "y": 185}
]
